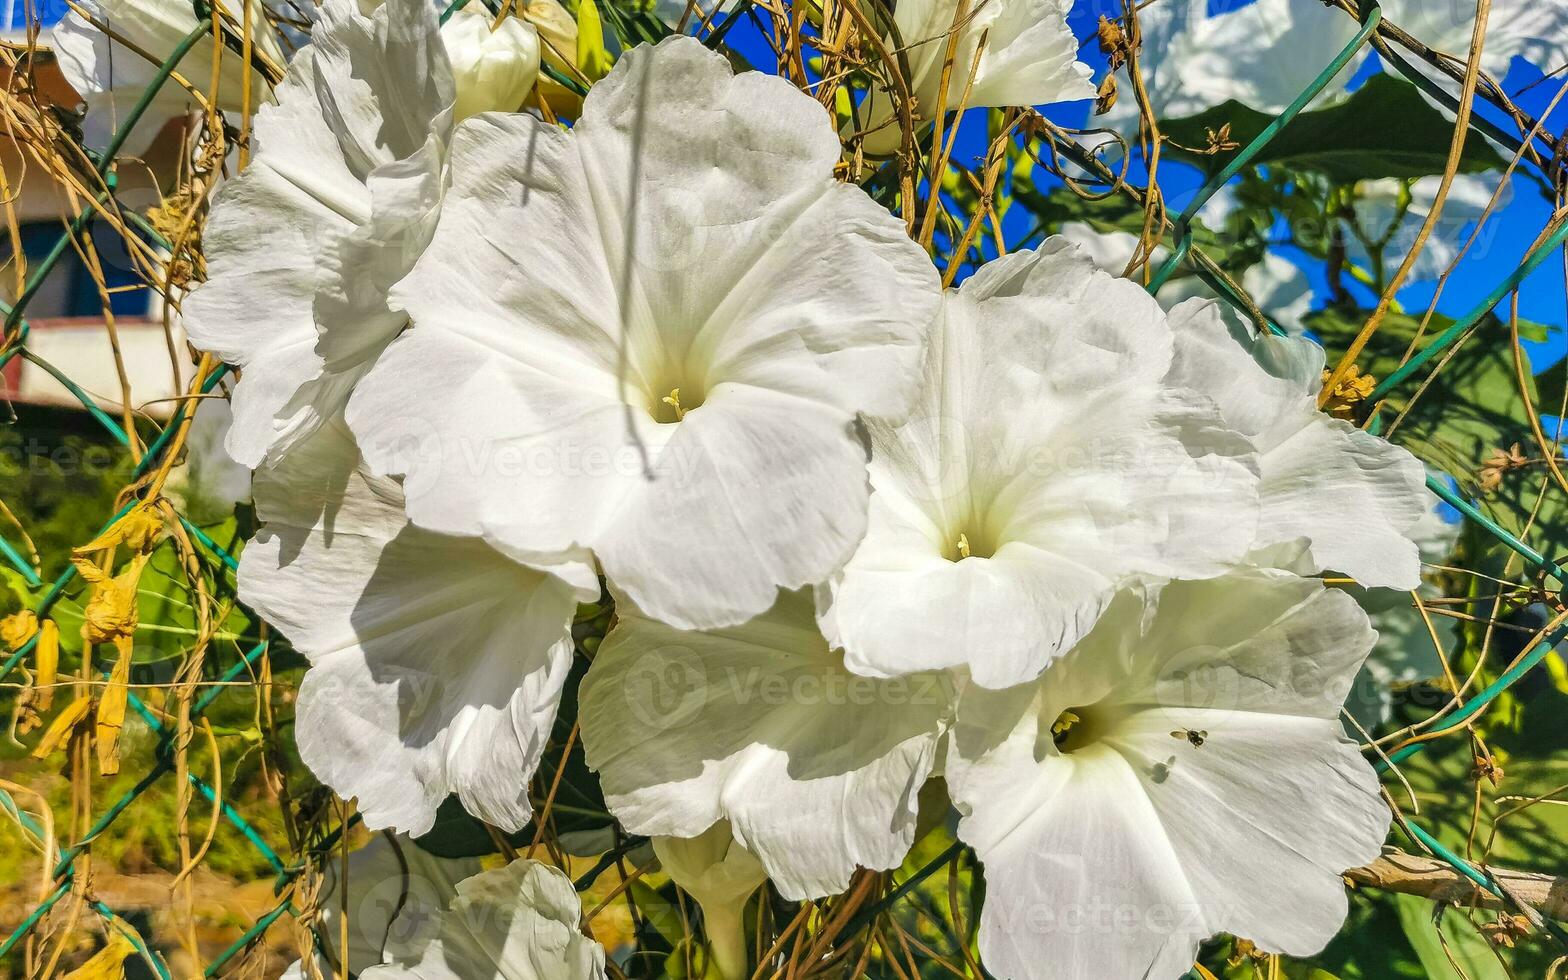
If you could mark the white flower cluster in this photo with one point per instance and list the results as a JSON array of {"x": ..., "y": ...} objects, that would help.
[{"x": 1035, "y": 535}]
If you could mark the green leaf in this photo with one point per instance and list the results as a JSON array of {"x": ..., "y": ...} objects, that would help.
[
  {"x": 456, "y": 834},
  {"x": 1450, "y": 946},
  {"x": 1386, "y": 129}
]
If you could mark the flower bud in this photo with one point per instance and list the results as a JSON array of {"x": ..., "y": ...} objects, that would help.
[{"x": 493, "y": 69}]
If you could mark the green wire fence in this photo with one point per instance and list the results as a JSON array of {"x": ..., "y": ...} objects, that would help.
[{"x": 15, "y": 344}]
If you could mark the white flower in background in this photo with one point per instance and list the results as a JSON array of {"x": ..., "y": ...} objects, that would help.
[
  {"x": 1265, "y": 54},
  {"x": 493, "y": 69},
  {"x": 651, "y": 336},
  {"x": 337, "y": 203},
  {"x": 436, "y": 662},
  {"x": 1334, "y": 498},
  {"x": 672, "y": 11},
  {"x": 520, "y": 922},
  {"x": 1279, "y": 287},
  {"x": 111, "y": 77},
  {"x": 1181, "y": 773},
  {"x": 1389, "y": 214},
  {"x": 1026, "y": 56},
  {"x": 1262, "y": 55},
  {"x": 1046, "y": 468},
  {"x": 1536, "y": 30},
  {"x": 721, "y": 875},
  {"x": 396, "y": 896},
  {"x": 816, "y": 769}
]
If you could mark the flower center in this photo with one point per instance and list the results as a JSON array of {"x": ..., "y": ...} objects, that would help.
[
  {"x": 967, "y": 545},
  {"x": 671, "y": 404},
  {"x": 1074, "y": 729}
]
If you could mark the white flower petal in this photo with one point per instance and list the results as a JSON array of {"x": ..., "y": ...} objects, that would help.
[
  {"x": 1351, "y": 499},
  {"x": 437, "y": 663},
  {"x": 1279, "y": 287},
  {"x": 685, "y": 242},
  {"x": 1117, "y": 850},
  {"x": 816, "y": 769},
  {"x": 520, "y": 922},
  {"x": 397, "y": 893},
  {"x": 333, "y": 209},
  {"x": 1044, "y": 470}
]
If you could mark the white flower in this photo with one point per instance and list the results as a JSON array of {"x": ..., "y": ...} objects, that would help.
[
  {"x": 1536, "y": 30},
  {"x": 1021, "y": 52},
  {"x": 721, "y": 875},
  {"x": 1333, "y": 497},
  {"x": 1262, "y": 55},
  {"x": 337, "y": 203},
  {"x": 397, "y": 893},
  {"x": 1265, "y": 54},
  {"x": 1279, "y": 287},
  {"x": 493, "y": 70},
  {"x": 651, "y": 336},
  {"x": 111, "y": 77},
  {"x": 520, "y": 922},
  {"x": 436, "y": 663},
  {"x": 816, "y": 769},
  {"x": 1181, "y": 773},
  {"x": 672, "y": 11},
  {"x": 1389, "y": 214},
  {"x": 1046, "y": 468}
]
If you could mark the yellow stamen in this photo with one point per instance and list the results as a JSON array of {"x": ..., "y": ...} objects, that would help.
[
  {"x": 963, "y": 546},
  {"x": 673, "y": 399},
  {"x": 1065, "y": 722}
]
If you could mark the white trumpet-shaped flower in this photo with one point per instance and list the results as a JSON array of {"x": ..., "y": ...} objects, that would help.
[
  {"x": 1020, "y": 53},
  {"x": 1046, "y": 467},
  {"x": 520, "y": 922},
  {"x": 816, "y": 769},
  {"x": 397, "y": 893},
  {"x": 91, "y": 45},
  {"x": 1334, "y": 498},
  {"x": 493, "y": 69},
  {"x": 1181, "y": 773},
  {"x": 436, "y": 662},
  {"x": 651, "y": 336},
  {"x": 339, "y": 200}
]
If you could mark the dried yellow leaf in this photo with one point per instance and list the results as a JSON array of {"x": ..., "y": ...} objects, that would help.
[
  {"x": 17, "y": 628},
  {"x": 61, "y": 728},
  {"x": 111, "y": 711},
  {"x": 46, "y": 660},
  {"x": 137, "y": 530},
  {"x": 111, "y": 612},
  {"x": 108, "y": 963}
]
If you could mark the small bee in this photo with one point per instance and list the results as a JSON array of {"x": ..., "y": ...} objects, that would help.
[{"x": 1194, "y": 737}]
